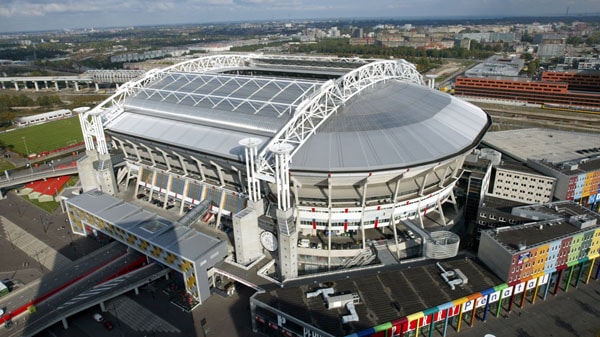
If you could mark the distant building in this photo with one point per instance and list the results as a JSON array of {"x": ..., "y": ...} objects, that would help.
[
  {"x": 498, "y": 65},
  {"x": 551, "y": 91},
  {"x": 551, "y": 50}
]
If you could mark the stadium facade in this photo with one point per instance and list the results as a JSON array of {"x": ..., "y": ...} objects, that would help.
[{"x": 285, "y": 147}]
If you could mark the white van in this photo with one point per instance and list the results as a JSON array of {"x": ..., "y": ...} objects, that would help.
[{"x": 304, "y": 243}]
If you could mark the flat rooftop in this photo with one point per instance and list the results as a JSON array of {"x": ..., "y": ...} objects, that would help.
[
  {"x": 555, "y": 210},
  {"x": 384, "y": 296},
  {"x": 556, "y": 221},
  {"x": 532, "y": 234},
  {"x": 167, "y": 234},
  {"x": 518, "y": 167},
  {"x": 554, "y": 146}
]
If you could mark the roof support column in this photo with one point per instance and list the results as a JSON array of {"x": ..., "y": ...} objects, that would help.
[
  {"x": 250, "y": 152},
  {"x": 149, "y": 153},
  {"x": 87, "y": 135},
  {"x": 219, "y": 172},
  {"x": 164, "y": 154},
  {"x": 440, "y": 210},
  {"x": 222, "y": 199},
  {"x": 282, "y": 174},
  {"x": 200, "y": 167},
  {"x": 363, "y": 204},
  {"x": 35, "y": 84},
  {"x": 137, "y": 152},
  {"x": 329, "y": 206},
  {"x": 393, "y": 216},
  {"x": 181, "y": 162},
  {"x": 443, "y": 179},
  {"x": 423, "y": 183},
  {"x": 122, "y": 145},
  {"x": 458, "y": 164}
]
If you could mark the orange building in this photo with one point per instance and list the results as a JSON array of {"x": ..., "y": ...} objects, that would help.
[{"x": 554, "y": 88}]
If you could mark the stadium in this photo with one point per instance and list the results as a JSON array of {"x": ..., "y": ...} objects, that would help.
[{"x": 293, "y": 153}]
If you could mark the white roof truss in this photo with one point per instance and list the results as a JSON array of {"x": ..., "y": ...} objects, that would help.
[{"x": 314, "y": 111}]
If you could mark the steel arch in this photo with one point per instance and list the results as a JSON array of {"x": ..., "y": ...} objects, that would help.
[{"x": 315, "y": 110}]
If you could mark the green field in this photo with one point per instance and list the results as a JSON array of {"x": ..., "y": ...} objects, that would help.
[{"x": 43, "y": 137}]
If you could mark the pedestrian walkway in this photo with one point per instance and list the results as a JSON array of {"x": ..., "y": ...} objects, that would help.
[
  {"x": 383, "y": 254},
  {"x": 32, "y": 246},
  {"x": 137, "y": 317}
]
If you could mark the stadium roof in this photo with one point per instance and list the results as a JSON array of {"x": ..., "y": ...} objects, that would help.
[{"x": 388, "y": 124}]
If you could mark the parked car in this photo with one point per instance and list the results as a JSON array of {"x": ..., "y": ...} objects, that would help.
[
  {"x": 304, "y": 243},
  {"x": 108, "y": 325},
  {"x": 98, "y": 317}
]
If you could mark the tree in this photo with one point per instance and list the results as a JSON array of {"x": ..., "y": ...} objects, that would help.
[{"x": 527, "y": 38}]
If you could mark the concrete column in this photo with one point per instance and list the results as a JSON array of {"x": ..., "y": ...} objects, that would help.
[
  {"x": 3, "y": 87},
  {"x": 56, "y": 85},
  {"x": 288, "y": 245},
  {"x": 363, "y": 205},
  {"x": 152, "y": 185},
  {"x": 35, "y": 85},
  {"x": 67, "y": 84},
  {"x": 16, "y": 86},
  {"x": 186, "y": 188},
  {"x": 253, "y": 315},
  {"x": 46, "y": 85},
  {"x": 166, "y": 198},
  {"x": 97, "y": 87},
  {"x": 139, "y": 179},
  {"x": 76, "y": 86},
  {"x": 65, "y": 324},
  {"x": 136, "y": 290},
  {"x": 102, "y": 307},
  {"x": 222, "y": 199}
]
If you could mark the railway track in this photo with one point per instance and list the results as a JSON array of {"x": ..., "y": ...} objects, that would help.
[{"x": 519, "y": 117}]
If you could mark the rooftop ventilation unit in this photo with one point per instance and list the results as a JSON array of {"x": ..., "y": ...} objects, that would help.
[{"x": 338, "y": 301}]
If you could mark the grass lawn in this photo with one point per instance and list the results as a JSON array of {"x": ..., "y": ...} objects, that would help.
[
  {"x": 44, "y": 137},
  {"x": 48, "y": 206},
  {"x": 5, "y": 165}
]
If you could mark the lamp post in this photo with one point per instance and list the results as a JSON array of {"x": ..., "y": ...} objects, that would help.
[{"x": 26, "y": 148}]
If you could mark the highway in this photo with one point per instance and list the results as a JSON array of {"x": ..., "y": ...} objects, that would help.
[
  {"x": 84, "y": 295},
  {"x": 89, "y": 281}
]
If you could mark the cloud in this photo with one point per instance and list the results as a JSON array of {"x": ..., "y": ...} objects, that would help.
[{"x": 18, "y": 15}]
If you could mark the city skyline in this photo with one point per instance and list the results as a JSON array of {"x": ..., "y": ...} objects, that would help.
[{"x": 40, "y": 15}]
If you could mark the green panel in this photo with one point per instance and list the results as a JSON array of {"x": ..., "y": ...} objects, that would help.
[{"x": 383, "y": 327}]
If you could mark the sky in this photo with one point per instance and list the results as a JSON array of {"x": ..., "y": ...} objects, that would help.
[{"x": 38, "y": 15}]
